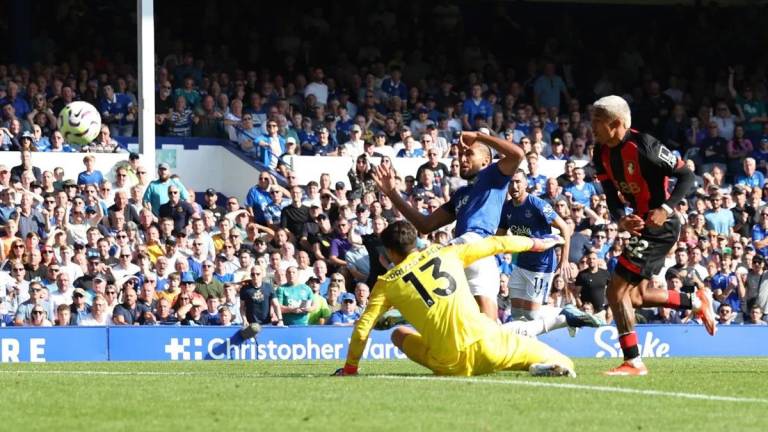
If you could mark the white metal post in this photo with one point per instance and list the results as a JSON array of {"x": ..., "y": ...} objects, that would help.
[{"x": 146, "y": 36}]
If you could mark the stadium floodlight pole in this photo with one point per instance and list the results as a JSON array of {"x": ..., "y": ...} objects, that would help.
[{"x": 146, "y": 37}]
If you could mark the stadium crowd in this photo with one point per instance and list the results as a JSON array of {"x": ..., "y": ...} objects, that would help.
[{"x": 133, "y": 247}]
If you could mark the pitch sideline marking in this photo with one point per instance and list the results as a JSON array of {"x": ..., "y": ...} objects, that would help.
[{"x": 594, "y": 388}]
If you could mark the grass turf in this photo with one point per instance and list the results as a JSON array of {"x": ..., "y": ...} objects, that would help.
[{"x": 389, "y": 395}]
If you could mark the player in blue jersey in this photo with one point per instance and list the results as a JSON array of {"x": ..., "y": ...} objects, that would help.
[
  {"x": 530, "y": 216},
  {"x": 476, "y": 207}
]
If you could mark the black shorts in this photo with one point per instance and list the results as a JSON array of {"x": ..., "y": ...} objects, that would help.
[{"x": 644, "y": 256}]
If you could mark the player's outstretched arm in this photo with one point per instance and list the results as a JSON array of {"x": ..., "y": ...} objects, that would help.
[
  {"x": 495, "y": 245},
  {"x": 377, "y": 304},
  {"x": 384, "y": 178}
]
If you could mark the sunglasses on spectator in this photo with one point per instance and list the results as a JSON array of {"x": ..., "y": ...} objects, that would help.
[{"x": 37, "y": 312}]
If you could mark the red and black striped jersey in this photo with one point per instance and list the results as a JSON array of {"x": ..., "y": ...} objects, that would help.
[{"x": 639, "y": 167}]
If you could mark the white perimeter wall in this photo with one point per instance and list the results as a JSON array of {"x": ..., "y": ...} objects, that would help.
[{"x": 215, "y": 167}]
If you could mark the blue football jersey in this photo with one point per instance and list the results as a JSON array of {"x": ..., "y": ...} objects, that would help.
[
  {"x": 477, "y": 206},
  {"x": 532, "y": 218}
]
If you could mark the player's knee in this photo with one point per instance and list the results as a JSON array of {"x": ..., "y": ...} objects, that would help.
[{"x": 398, "y": 336}]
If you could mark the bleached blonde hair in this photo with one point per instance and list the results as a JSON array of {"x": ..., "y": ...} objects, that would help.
[{"x": 615, "y": 107}]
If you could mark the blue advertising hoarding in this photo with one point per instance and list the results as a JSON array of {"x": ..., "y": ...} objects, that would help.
[
  {"x": 225, "y": 343},
  {"x": 53, "y": 344},
  {"x": 46, "y": 344}
]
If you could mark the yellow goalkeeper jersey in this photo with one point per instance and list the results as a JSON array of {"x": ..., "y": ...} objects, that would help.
[{"x": 431, "y": 292}]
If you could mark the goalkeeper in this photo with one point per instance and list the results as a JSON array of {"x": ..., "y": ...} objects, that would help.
[{"x": 450, "y": 336}]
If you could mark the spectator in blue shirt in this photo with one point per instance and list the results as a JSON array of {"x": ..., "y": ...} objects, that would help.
[
  {"x": 751, "y": 177},
  {"x": 719, "y": 218},
  {"x": 409, "y": 151},
  {"x": 474, "y": 106},
  {"x": 580, "y": 191},
  {"x": 548, "y": 87},
  {"x": 259, "y": 198},
  {"x": 91, "y": 175},
  {"x": 760, "y": 233},
  {"x": 392, "y": 86},
  {"x": 20, "y": 105},
  {"x": 347, "y": 315},
  {"x": 117, "y": 112}
]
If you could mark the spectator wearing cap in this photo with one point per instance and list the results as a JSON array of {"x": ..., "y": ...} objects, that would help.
[
  {"x": 322, "y": 312},
  {"x": 156, "y": 193},
  {"x": 355, "y": 145},
  {"x": 206, "y": 284},
  {"x": 221, "y": 271},
  {"x": 380, "y": 147},
  {"x": 177, "y": 209},
  {"x": 211, "y": 203},
  {"x": 79, "y": 309},
  {"x": 558, "y": 150},
  {"x": 188, "y": 293},
  {"x": 295, "y": 299},
  {"x": 751, "y": 178},
  {"x": 347, "y": 315}
]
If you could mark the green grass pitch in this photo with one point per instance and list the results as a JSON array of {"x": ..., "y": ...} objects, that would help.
[{"x": 704, "y": 394}]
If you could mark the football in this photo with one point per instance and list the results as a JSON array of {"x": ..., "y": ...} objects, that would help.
[{"x": 79, "y": 122}]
